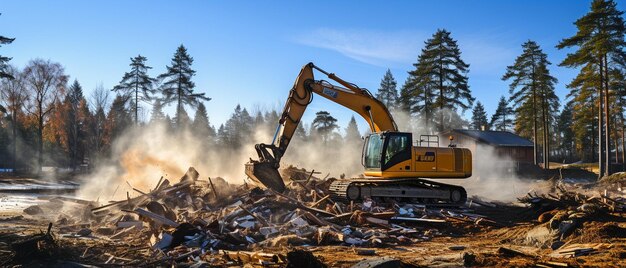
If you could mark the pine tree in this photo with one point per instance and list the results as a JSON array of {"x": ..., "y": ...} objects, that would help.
[
  {"x": 98, "y": 130},
  {"x": 181, "y": 120},
  {"x": 223, "y": 137},
  {"x": 85, "y": 120},
  {"x": 565, "y": 134},
  {"x": 618, "y": 86},
  {"x": 73, "y": 124},
  {"x": 324, "y": 124},
  {"x": 600, "y": 42},
  {"x": 387, "y": 93},
  {"x": 271, "y": 117},
  {"x": 118, "y": 118},
  {"x": 259, "y": 120},
  {"x": 502, "y": 119},
  {"x": 238, "y": 127},
  {"x": 532, "y": 92},
  {"x": 13, "y": 95},
  {"x": 137, "y": 84},
  {"x": 438, "y": 85},
  {"x": 583, "y": 98},
  {"x": 201, "y": 125},
  {"x": 157, "y": 115},
  {"x": 479, "y": 117},
  {"x": 4, "y": 61},
  {"x": 178, "y": 86},
  {"x": 300, "y": 132},
  {"x": 352, "y": 131}
]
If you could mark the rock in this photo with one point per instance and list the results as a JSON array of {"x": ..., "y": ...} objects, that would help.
[
  {"x": 165, "y": 242},
  {"x": 303, "y": 259},
  {"x": 326, "y": 236},
  {"x": 184, "y": 229},
  {"x": 33, "y": 210},
  {"x": 84, "y": 232},
  {"x": 284, "y": 240},
  {"x": 365, "y": 252},
  {"x": 545, "y": 217},
  {"x": 105, "y": 231},
  {"x": 156, "y": 207},
  {"x": 383, "y": 262},
  {"x": 540, "y": 236},
  {"x": 469, "y": 259},
  {"x": 268, "y": 231},
  {"x": 557, "y": 244},
  {"x": 565, "y": 227}
]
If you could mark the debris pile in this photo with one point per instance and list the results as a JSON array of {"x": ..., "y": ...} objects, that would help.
[
  {"x": 213, "y": 222},
  {"x": 209, "y": 222},
  {"x": 564, "y": 213}
]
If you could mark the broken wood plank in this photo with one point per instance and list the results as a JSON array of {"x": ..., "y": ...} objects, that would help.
[
  {"x": 417, "y": 220},
  {"x": 213, "y": 188},
  {"x": 155, "y": 217},
  {"x": 320, "y": 201},
  {"x": 123, "y": 232},
  {"x": 304, "y": 207}
]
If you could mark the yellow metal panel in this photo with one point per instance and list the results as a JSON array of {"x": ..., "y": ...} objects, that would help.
[
  {"x": 445, "y": 160},
  {"x": 424, "y": 162}
]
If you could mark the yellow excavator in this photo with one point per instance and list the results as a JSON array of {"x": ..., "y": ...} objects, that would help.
[{"x": 394, "y": 168}]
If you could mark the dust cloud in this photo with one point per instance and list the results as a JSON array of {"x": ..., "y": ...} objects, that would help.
[
  {"x": 140, "y": 156},
  {"x": 494, "y": 177}
]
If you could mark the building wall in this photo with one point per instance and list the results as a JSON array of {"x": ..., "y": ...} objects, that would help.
[{"x": 521, "y": 154}]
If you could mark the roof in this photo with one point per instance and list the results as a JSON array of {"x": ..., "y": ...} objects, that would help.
[{"x": 495, "y": 138}]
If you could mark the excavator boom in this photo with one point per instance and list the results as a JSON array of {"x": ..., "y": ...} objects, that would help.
[{"x": 361, "y": 101}]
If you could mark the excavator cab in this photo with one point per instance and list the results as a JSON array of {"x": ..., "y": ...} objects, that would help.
[{"x": 384, "y": 150}]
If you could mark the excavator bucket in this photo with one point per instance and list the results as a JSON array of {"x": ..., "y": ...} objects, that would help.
[{"x": 265, "y": 173}]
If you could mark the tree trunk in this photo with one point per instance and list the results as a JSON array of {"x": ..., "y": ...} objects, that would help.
[
  {"x": 14, "y": 130},
  {"x": 546, "y": 164},
  {"x": 535, "y": 126},
  {"x": 623, "y": 146},
  {"x": 441, "y": 102},
  {"x": 607, "y": 121},
  {"x": 179, "y": 104},
  {"x": 601, "y": 166},
  {"x": 40, "y": 143},
  {"x": 593, "y": 141},
  {"x": 546, "y": 131},
  {"x": 136, "y": 106}
]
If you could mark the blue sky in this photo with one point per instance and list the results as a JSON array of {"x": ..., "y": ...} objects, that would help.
[{"x": 249, "y": 52}]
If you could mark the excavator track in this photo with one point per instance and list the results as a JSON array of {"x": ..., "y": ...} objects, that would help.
[{"x": 398, "y": 190}]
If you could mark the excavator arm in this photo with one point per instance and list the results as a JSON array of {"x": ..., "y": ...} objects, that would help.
[{"x": 359, "y": 100}]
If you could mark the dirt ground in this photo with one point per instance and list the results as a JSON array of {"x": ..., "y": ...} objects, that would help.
[{"x": 449, "y": 244}]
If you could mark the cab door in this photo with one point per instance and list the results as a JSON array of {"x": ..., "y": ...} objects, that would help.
[{"x": 397, "y": 152}]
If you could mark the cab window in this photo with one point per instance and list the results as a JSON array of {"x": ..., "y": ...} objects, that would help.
[
  {"x": 397, "y": 144},
  {"x": 373, "y": 151}
]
